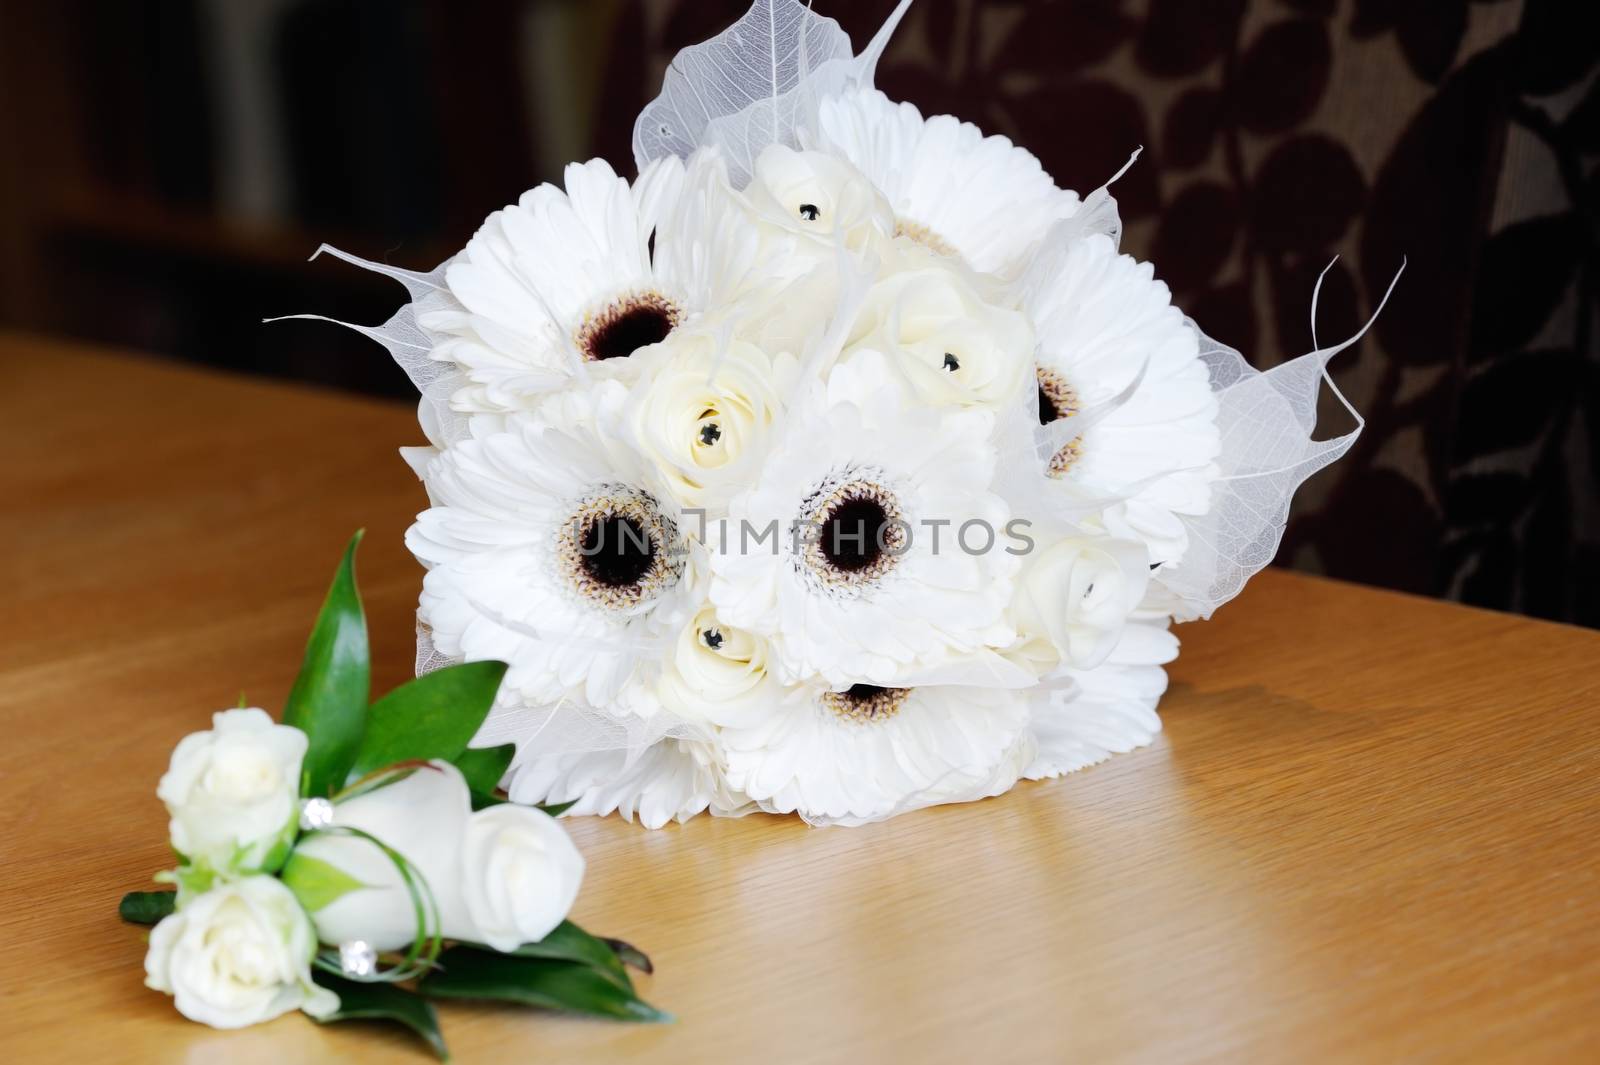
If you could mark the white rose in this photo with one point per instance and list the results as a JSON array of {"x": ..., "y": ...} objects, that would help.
[
  {"x": 954, "y": 346},
  {"x": 503, "y": 876},
  {"x": 1075, "y": 596},
  {"x": 233, "y": 792},
  {"x": 704, "y": 411},
  {"x": 521, "y": 874},
  {"x": 237, "y": 955},
  {"x": 715, "y": 671},
  {"x": 819, "y": 196}
]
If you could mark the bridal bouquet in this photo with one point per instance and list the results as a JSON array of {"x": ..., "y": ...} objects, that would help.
[
  {"x": 375, "y": 832},
  {"x": 838, "y": 464}
]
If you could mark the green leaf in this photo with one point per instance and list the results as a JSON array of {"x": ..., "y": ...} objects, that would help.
[
  {"x": 383, "y": 1002},
  {"x": 147, "y": 907},
  {"x": 472, "y": 972},
  {"x": 329, "y": 699},
  {"x": 316, "y": 883},
  {"x": 556, "y": 809},
  {"x": 190, "y": 878},
  {"x": 484, "y": 766},
  {"x": 568, "y": 942},
  {"x": 434, "y": 716},
  {"x": 629, "y": 954}
]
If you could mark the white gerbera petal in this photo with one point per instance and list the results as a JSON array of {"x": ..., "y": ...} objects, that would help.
[
  {"x": 1107, "y": 710},
  {"x": 672, "y": 780},
  {"x": 868, "y": 752},
  {"x": 949, "y": 186},
  {"x": 1104, "y": 325}
]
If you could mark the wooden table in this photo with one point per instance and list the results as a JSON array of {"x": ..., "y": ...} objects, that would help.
[{"x": 1371, "y": 831}]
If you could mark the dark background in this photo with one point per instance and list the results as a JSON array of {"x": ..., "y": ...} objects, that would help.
[{"x": 168, "y": 166}]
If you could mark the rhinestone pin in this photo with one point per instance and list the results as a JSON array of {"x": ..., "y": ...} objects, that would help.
[
  {"x": 315, "y": 814},
  {"x": 357, "y": 958}
]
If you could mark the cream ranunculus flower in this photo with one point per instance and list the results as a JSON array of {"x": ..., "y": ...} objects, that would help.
[
  {"x": 233, "y": 792},
  {"x": 715, "y": 671},
  {"x": 705, "y": 410},
  {"x": 817, "y": 195},
  {"x": 237, "y": 955},
  {"x": 954, "y": 344},
  {"x": 503, "y": 876},
  {"x": 1074, "y": 597}
]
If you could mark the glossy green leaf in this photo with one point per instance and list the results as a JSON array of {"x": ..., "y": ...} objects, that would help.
[
  {"x": 484, "y": 766},
  {"x": 475, "y": 973},
  {"x": 568, "y": 942},
  {"x": 383, "y": 1002},
  {"x": 433, "y": 716},
  {"x": 329, "y": 699},
  {"x": 147, "y": 907},
  {"x": 316, "y": 883}
]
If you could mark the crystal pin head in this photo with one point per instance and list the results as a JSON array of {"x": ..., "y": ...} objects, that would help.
[
  {"x": 315, "y": 814},
  {"x": 357, "y": 958}
]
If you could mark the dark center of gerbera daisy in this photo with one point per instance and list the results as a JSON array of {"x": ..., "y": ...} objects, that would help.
[
  {"x": 626, "y": 325},
  {"x": 1047, "y": 408},
  {"x": 615, "y": 550},
  {"x": 810, "y": 212},
  {"x": 857, "y": 532},
  {"x": 853, "y": 533},
  {"x": 1057, "y": 400},
  {"x": 863, "y": 703}
]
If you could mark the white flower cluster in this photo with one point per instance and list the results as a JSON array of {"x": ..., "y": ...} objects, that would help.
[
  {"x": 840, "y": 469},
  {"x": 239, "y": 948}
]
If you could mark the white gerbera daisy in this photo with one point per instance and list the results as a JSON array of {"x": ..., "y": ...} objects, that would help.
[
  {"x": 871, "y": 546},
  {"x": 570, "y": 282},
  {"x": 1108, "y": 710},
  {"x": 867, "y": 752},
  {"x": 549, "y": 549},
  {"x": 950, "y": 187},
  {"x": 1103, "y": 320}
]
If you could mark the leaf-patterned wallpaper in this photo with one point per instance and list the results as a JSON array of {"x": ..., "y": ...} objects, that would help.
[{"x": 1461, "y": 135}]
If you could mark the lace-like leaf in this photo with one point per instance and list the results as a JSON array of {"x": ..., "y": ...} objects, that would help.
[{"x": 754, "y": 84}]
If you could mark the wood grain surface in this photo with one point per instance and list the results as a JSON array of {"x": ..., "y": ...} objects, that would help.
[{"x": 1370, "y": 832}]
